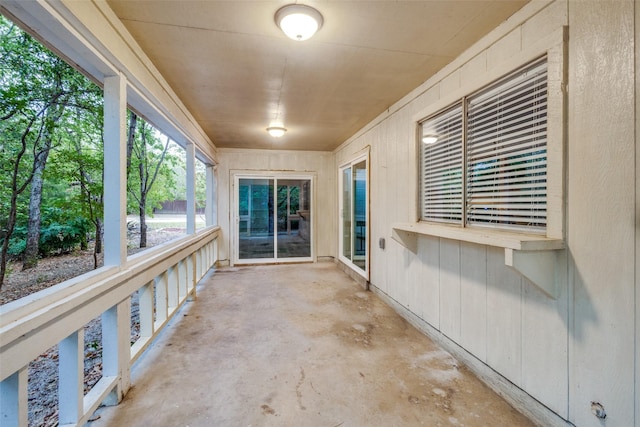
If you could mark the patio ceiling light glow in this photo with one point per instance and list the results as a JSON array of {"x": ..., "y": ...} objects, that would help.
[
  {"x": 276, "y": 131},
  {"x": 299, "y": 22},
  {"x": 429, "y": 139}
]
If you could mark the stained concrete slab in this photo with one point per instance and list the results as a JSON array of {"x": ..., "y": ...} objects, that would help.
[{"x": 299, "y": 345}]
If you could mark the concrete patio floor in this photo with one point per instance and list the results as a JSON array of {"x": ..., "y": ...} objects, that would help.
[{"x": 299, "y": 345}]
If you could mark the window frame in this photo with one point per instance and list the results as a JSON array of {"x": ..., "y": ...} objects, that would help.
[
  {"x": 554, "y": 47},
  {"x": 448, "y": 163}
]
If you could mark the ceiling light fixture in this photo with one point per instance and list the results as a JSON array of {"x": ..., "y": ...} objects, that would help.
[
  {"x": 298, "y": 22},
  {"x": 276, "y": 131},
  {"x": 430, "y": 139}
]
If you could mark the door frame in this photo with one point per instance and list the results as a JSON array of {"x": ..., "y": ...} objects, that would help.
[
  {"x": 358, "y": 158},
  {"x": 234, "y": 222}
]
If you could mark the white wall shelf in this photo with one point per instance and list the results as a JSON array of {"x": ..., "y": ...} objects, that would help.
[{"x": 536, "y": 257}]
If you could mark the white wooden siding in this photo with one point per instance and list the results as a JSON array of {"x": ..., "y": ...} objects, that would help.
[
  {"x": 563, "y": 352},
  {"x": 602, "y": 210}
]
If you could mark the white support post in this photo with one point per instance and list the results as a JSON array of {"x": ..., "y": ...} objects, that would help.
[
  {"x": 211, "y": 210},
  {"x": 146, "y": 310},
  {"x": 13, "y": 399},
  {"x": 71, "y": 378},
  {"x": 116, "y": 344},
  {"x": 191, "y": 188},
  {"x": 115, "y": 170}
]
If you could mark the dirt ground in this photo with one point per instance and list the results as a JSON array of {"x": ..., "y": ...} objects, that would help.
[
  {"x": 43, "y": 384},
  {"x": 56, "y": 269}
]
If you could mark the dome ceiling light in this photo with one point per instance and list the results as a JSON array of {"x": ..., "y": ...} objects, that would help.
[
  {"x": 276, "y": 131},
  {"x": 299, "y": 22}
]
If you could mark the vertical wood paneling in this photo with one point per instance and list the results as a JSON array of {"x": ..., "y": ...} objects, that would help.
[
  {"x": 602, "y": 210},
  {"x": 428, "y": 280},
  {"x": 473, "y": 299},
  {"x": 450, "y": 288},
  {"x": 504, "y": 317},
  {"x": 544, "y": 346},
  {"x": 380, "y": 270},
  {"x": 580, "y": 347},
  {"x": 637, "y": 224}
]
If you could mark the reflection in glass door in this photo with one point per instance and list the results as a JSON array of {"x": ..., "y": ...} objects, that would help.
[
  {"x": 354, "y": 220},
  {"x": 255, "y": 225},
  {"x": 273, "y": 219}
]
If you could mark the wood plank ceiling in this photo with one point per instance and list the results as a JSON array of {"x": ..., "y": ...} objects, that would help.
[{"x": 237, "y": 72}]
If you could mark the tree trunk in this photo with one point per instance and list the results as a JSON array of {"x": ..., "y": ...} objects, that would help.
[
  {"x": 16, "y": 190},
  {"x": 143, "y": 190},
  {"x": 133, "y": 122},
  {"x": 99, "y": 232},
  {"x": 97, "y": 248},
  {"x": 143, "y": 224},
  {"x": 84, "y": 242},
  {"x": 33, "y": 229}
]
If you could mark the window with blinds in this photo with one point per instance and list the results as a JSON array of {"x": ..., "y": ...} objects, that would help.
[
  {"x": 441, "y": 180},
  {"x": 504, "y": 168}
]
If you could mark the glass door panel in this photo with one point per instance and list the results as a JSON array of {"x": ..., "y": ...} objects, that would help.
[
  {"x": 354, "y": 219},
  {"x": 273, "y": 217},
  {"x": 346, "y": 213},
  {"x": 255, "y": 224},
  {"x": 294, "y": 218},
  {"x": 360, "y": 214}
]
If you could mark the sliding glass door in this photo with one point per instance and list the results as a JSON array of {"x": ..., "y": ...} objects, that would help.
[
  {"x": 273, "y": 219},
  {"x": 354, "y": 216}
]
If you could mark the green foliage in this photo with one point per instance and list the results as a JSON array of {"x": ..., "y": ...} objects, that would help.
[
  {"x": 60, "y": 232},
  {"x": 18, "y": 241},
  {"x": 151, "y": 179},
  {"x": 47, "y": 110},
  {"x": 48, "y": 107},
  {"x": 180, "y": 174},
  {"x": 56, "y": 238}
]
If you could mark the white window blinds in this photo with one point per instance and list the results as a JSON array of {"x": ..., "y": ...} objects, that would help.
[
  {"x": 441, "y": 176},
  {"x": 507, "y": 151},
  {"x": 483, "y": 161}
]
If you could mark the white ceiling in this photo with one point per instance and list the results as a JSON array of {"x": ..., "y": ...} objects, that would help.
[{"x": 237, "y": 72}]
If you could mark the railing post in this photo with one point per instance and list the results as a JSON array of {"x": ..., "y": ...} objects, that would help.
[
  {"x": 162, "y": 302},
  {"x": 173, "y": 284},
  {"x": 13, "y": 399},
  {"x": 182, "y": 280},
  {"x": 191, "y": 274},
  {"x": 146, "y": 310},
  {"x": 116, "y": 348},
  {"x": 71, "y": 378},
  {"x": 216, "y": 254}
]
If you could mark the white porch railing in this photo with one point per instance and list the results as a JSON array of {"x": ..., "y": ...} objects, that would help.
[{"x": 165, "y": 277}]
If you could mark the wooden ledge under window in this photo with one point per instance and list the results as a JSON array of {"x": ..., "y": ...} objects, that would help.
[
  {"x": 406, "y": 234},
  {"x": 538, "y": 258}
]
